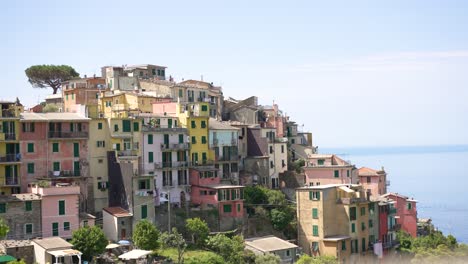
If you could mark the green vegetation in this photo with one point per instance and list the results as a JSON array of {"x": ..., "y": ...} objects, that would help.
[
  {"x": 175, "y": 240},
  {"x": 50, "y": 108},
  {"x": 268, "y": 259},
  {"x": 145, "y": 236},
  {"x": 434, "y": 248},
  {"x": 306, "y": 259},
  {"x": 230, "y": 249},
  {"x": 43, "y": 76},
  {"x": 91, "y": 241},
  {"x": 4, "y": 229},
  {"x": 17, "y": 262},
  {"x": 198, "y": 229}
]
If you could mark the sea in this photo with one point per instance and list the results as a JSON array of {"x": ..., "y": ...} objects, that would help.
[{"x": 436, "y": 176}]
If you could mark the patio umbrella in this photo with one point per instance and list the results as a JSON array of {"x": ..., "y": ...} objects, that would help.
[
  {"x": 124, "y": 242},
  {"x": 111, "y": 246}
]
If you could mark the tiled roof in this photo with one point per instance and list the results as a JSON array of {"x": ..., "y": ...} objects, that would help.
[
  {"x": 59, "y": 116},
  {"x": 15, "y": 243},
  {"x": 117, "y": 211},
  {"x": 365, "y": 171},
  {"x": 269, "y": 243}
]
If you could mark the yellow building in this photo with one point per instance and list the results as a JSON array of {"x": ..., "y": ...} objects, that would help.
[
  {"x": 124, "y": 104},
  {"x": 195, "y": 116},
  {"x": 333, "y": 220},
  {"x": 10, "y": 157}
]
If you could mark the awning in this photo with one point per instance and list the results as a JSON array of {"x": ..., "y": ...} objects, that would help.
[
  {"x": 135, "y": 254},
  {"x": 111, "y": 246},
  {"x": 65, "y": 252},
  {"x": 6, "y": 258}
]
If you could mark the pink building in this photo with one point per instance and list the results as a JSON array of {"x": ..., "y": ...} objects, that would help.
[
  {"x": 406, "y": 213},
  {"x": 53, "y": 146},
  {"x": 374, "y": 181},
  {"x": 208, "y": 192},
  {"x": 60, "y": 208},
  {"x": 324, "y": 169},
  {"x": 274, "y": 119}
]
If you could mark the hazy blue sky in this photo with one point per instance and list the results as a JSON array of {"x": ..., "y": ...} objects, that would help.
[{"x": 355, "y": 73}]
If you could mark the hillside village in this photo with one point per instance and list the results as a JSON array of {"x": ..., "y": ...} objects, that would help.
[{"x": 133, "y": 144}]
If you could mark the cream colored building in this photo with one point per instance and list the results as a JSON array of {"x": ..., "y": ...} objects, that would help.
[
  {"x": 277, "y": 154},
  {"x": 333, "y": 220}
]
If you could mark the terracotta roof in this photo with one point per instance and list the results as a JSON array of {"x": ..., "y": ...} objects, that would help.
[
  {"x": 117, "y": 211},
  {"x": 365, "y": 171},
  {"x": 15, "y": 243}
]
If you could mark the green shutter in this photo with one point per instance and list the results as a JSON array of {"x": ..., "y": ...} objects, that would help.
[
  {"x": 169, "y": 123},
  {"x": 61, "y": 207},
  {"x": 227, "y": 208},
  {"x": 315, "y": 231},
  {"x": 151, "y": 157},
  {"x": 181, "y": 93},
  {"x": 28, "y": 206},
  {"x": 56, "y": 166},
  {"x": 150, "y": 139},
  {"x": 238, "y": 207},
  {"x": 99, "y": 125},
  {"x": 71, "y": 127},
  {"x": 203, "y": 140},
  {"x": 76, "y": 150},
  {"x": 2, "y": 208},
  {"x": 193, "y": 124},
  {"x": 116, "y": 128},
  {"x": 117, "y": 146},
  {"x": 76, "y": 168},
  {"x": 194, "y": 140},
  {"x": 166, "y": 139},
  {"x": 318, "y": 196},
  {"x": 337, "y": 173},
  {"x": 181, "y": 138},
  {"x": 353, "y": 228},
  {"x": 144, "y": 211},
  {"x": 126, "y": 125},
  {"x": 315, "y": 213},
  {"x": 136, "y": 126},
  {"x": 55, "y": 229},
  {"x": 30, "y": 147},
  {"x": 203, "y": 124},
  {"x": 30, "y": 168},
  {"x": 55, "y": 147},
  {"x": 29, "y": 228},
  {"x": 311, "y": 195},
  {"x": 204, "y": 156},
  {"x": 204, "y": 108},
  {"x": 66, "y": 226}
]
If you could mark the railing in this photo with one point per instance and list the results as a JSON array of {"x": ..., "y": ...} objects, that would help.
[
  {"x": 228, "y": 158},
  {"x": 10, "y": 158},
  {"x": 351, "y": 200},
  {"x": 11, "y": 180},
  {"x": 8, "y": 113},
  {"x": 178, "y": 164},
  {"x": 174, "y": 146},
  {"x": 10, "y": 136},
  {"x": 391, "y": 244},
  {"x": 127, "y": 153},
  {"x": 395, "y": 227},
  {"x": 64, "y": 173},
  {"x": 60, "y": 134},
  {"x": 392, "y": 211},
  {"x": 160, "y": 128}
]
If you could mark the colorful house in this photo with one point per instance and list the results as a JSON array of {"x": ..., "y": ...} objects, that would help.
[
  {"x": 22, "y": 213},
  {"x": 387, "y": 223},
  {"x": 323, "y": 169},
  {"x": 333, "y": 220},
  {"x": 82, "y": 95},
  {"x": 374, "y": 181},
  {"x": 208, "y": 193},
  {"x": 117, "y": 223},
  {"x": 60, "y": 208},
  {"x": 10, "y": 154},
  {"x": 406, "y": 213}
]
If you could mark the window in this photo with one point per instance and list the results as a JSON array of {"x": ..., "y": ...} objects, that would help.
[
  {"x": 363, "y": 226},
  {"x": 167, "y": 178},
  {"x": 352, "y": 213},
  {"x": 99, "y": 126},
  {"x": 353, "y": 227},
  {"x": 144, "y": 211},
  {"x": 30, "y": 168},
  {"x": 28, "y": 127},
  {"x": 100, "y": 143},
  {"x": 150, "y": 157},
  {"x": 55, "y": 147},
  {"x": 371, "y": 223},
  {"x": 368, "y": 179},
  {"x": 30, "y": 147},
  {"x": 194, "y": 125},
  {"x": 320, "y": 162},
  {"x": 150, "y": 139},
  {"x": 181, "y": 93},
  {"x": 136, "y": 126},
  {"x": 126, "y": 126},
  {"x": 409, "y": 206},
  {"x": 337, "y": 173},
  {"x": 354, "y": 246},
  {"x": 144, "y": 184},
  {"x": 28, "y": 229},
  {"x": 272, "y": 165},
  {"x": 181, "y": 138},
  {"x": 61, "y": 207},
  {"x": 28, "y": 206},
  {"x": 314, "y": 213},
  {"x": 271, "y": 149},
  {"x": 238, "y": 207},
  {"x": 363, "y": 244},
  {"x": 66, "y": 226},
  {"x": 203, "y": 124},
  {"x": 194, "y": 140},
  {"x": 2, "y": 208},
  {"x": 314, "y": 195},
  {"x": 116, "y": 128},
  {"x": 343, "y": 245},
  {"x": 203, "y": 139},
  {"x": 371, "y": 208},
  {"x": 282, "y": 148},
  {"x": 55, "y": 229},
  {"x": 76, "y": 150},
  {"x": 227, "y": 208},
  {"x": 56, "y": 166},
  {"x": 363, "y": 211},
  {"x": 204, "y": 108},
  {"x": 315, "y": 230},
  {"x": 347, "y": 173}
]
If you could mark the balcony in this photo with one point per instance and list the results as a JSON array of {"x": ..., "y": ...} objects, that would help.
[
  {"x": 174, "y": 146},
  {"x": 391, "y": 244},
  {"x": 7, "y": 136},
  {"x": 67, "y": 135},
  {"x": 127, "y": 153},
  {"x": 10, "y": 158},
  {"x": 351, "y": 200},
  {"x": 64, "y": 173},
  {"x": 171, "y": 165},
  {"x": 392, "y": 211},
  {"x": 9, "y": 113},
  {"x": 11, "y": 181},
  {"x": 228, "y": 158},
  {"x": 164, "y": 129},
  {"x": 395, "y": 227},
  {"x": 59, "y": 189}
]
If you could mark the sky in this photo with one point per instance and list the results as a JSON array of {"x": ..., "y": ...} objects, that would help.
[{"x": 354, "y": 73}]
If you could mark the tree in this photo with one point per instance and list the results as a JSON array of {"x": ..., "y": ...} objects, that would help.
[
  {"x": 17, "y": 262},
  {"x": 198, "y": 229},
  {"x": 268, "y": 259},
  {"x": 306, "y": 259},
  {"x": 231, "y": 249},
  {"x": 206, "y": 258},
  {"x": 4, "y": 229},
  {"x": 255, "y": 195},
  {"x": 145, "y": 236},
  {"x": 280, "y": 219},
  {"x": 175, "y": 239},
  {"x": 50, "y": 108},
  {"x": 91, "y": 241},
  {"x": 43, "y": 76}
]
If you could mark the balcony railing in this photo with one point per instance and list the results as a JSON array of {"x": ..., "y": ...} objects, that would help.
[
  {"x": 9, "y": 113},
  {"x": 160, "y": 128},
  {"x": 11, "y": 180},
  {"x": 178, "y": 164},
  {"x": 10, "y": 136},
  {"x": 351, "y": 200},
  {"x": 392, "y": 211},
  {"x": 228, "y": 158},
  {"x": 391, "y": 244},
  {"x": 60, "y": 134},
  {"x": 64, "y": 173},
  {"x": 10, "y": 158},
  {"x": 127, "y": 153},
  {"x": 395, "y": 227},
  {"x": 174, "y": 146}
]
